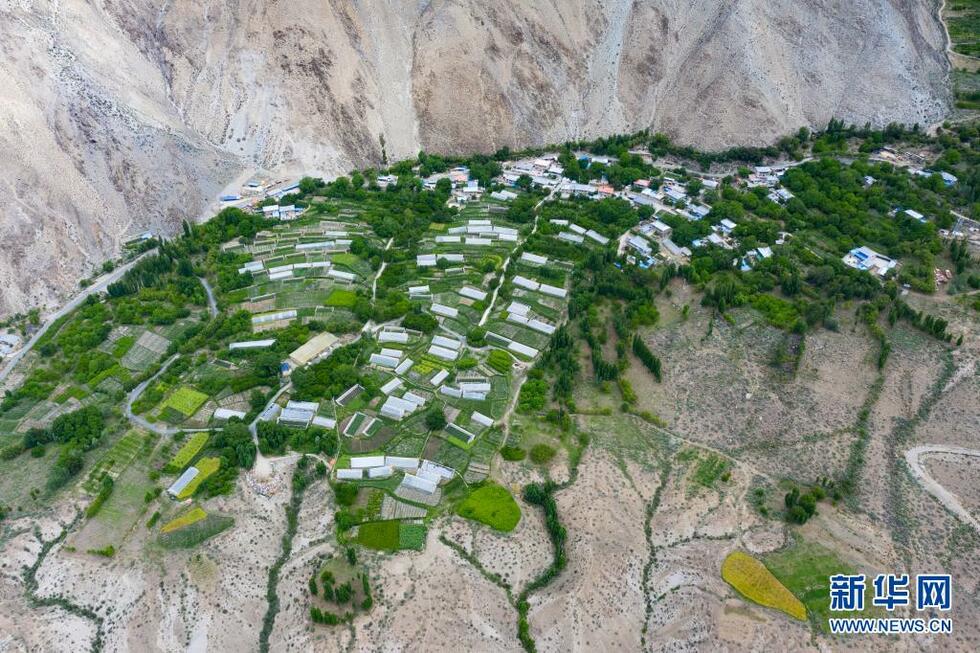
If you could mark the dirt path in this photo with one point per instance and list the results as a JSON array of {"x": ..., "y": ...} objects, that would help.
[
  {"x": 503, "y": 270},
  {"x": 381, "y": 270},
  {"x": 949, "y": 501},
  {"x": 212, "y": 304}
]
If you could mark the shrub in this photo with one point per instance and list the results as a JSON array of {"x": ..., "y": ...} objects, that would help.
[
  {"x": 513, "y": 454},
  {"x": 541, "y": 454}
]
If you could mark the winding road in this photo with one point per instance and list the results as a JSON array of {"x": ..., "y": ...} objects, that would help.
[
  {"x": 949, "y": 501},
  {"x": 142, "y": 422},
  {"x": 98, "y": 286}
]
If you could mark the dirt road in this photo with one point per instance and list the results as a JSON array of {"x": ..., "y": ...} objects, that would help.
[
  {"x": 914, "y": 459},
  {"x": 100, "y": 284}
]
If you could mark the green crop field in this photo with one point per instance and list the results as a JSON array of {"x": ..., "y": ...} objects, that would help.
[
  {"x": 193, "y": 534},
  {"x": 186, "y": 453},
  {"x": 493, "y": 505},
  {"x": 185, "y": 401},
  {"x": 205, "y": 467},
  {"x": 380, "y": 535},
  {"x": 804, "y": 568},
  {"x": 412, "y": 537},
  {"x": 192, "y": 516}
]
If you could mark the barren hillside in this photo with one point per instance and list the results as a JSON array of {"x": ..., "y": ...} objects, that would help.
[{"x": 120, "y": 115}]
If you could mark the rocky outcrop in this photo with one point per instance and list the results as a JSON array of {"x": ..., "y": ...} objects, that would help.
[{"x": 124, "y": 115}]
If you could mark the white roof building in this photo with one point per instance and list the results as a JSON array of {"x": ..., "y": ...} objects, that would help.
[
  {"x": 481, "y": 419},
  {"x": 517, "y": 308},
  {"x": 522, "y": 349},
  {"x": 380, "y": 472},
  {"x": 404, "y": 366},
  {"x": 391, "y": 386},
  {"x": 640, "y": 244},
  {"x": 472, "y": 293},
  {"x": 443, "y": 353},
  {"x": 533, "y": 259},
  {"x": 554, "y": 291},
  {"x": 419, "y": 483},
  {"x": 341, "y": 275},
  {"x": 402, "y": 463},
  {"x": 252, "y": 344},
  {"x": 418, "y": 290},
  {"x": 542, "y": 327},
  {"x": 363, "y": 462},
  {"x": 178, "y": 486},
  {"x": 448, "y": 343},
  {"x": 674, "y": 248},
  {"x": 227, "y": 413},
  {"x": 569, "y": 237},
  {"x": 384, "y": 361},
  {"x": 350, "y": 474},
  {"x": 425, "y": 260},
  {"x": 524, "y": 282},
  {"x": 429, "y": 469},
  {"x": 596, "y": 236},
  {"x": 296, "y": 417},
  {"x": 400, "y": 337},
  {"x": 445, "y": 311},
  {"x": 439, "y": 377},
  {"x": 324, "y": 422}
]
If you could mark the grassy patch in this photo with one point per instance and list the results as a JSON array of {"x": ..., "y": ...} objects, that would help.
[
  {"x": 185, "y": 401},
  {"x": 710, "y": 469},
  {"x": 205, "y": 467},
  {"x": 72, "y": 392},
  {"x": 192, "y": 516},
  {"x": 186, "y": 453},
  {"x": 493, "y": 505},
  {"x": 751, "y": 579},
  {"x": 122, "y": 346},
  {"x": 341, "y": 298}
]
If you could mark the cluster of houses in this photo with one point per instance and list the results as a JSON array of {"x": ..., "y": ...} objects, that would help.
[
  {"x": 419, "y": 474},
  {"x": 478, "y": 233},
  {"x": 576, "y": 234}
]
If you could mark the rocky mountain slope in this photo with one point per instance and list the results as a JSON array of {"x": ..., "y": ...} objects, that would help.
[{"x": 122, "y": 115}]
